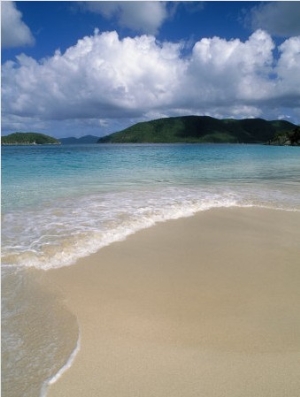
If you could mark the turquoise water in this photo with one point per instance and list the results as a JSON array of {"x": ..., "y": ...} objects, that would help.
[{"x": 60, "y": 203}]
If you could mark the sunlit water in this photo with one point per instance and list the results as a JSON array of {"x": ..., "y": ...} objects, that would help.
[{"x": 60, "y": 203}]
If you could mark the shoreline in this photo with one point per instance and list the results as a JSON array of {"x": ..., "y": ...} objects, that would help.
[{"x": 203, "y": 305}]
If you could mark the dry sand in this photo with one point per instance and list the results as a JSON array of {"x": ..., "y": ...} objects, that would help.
[{"x": 206, "y": 306}]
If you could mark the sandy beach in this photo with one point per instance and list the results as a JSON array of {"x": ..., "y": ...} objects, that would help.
[{"x": 205, "y": 306}]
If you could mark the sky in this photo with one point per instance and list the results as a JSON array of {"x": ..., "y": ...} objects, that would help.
[{"x": 78, "y": 68}]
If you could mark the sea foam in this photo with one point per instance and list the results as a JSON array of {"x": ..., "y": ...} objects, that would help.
[{"x": 51, "y": 237}]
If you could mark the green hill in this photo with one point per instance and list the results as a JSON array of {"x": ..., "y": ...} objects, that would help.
[
  {"x": 200, "y": 129},
  {"x": 287, "y": 138},
  {"x": 28, "y": 138}
]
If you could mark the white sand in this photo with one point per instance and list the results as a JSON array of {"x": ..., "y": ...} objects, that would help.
[{"x": 207, "y": 306}]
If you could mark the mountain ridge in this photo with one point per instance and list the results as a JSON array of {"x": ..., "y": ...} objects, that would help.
[
  {"x": 200, "y": 129},
  {"x": 84, "y": 139}
]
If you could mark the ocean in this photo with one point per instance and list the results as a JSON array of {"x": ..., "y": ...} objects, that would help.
[{"x": 60, "y": 203}]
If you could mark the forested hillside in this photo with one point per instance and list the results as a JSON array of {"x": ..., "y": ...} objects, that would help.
[
  {"x": 28, "y": 138},
  {"x": 202, "y": 129}
]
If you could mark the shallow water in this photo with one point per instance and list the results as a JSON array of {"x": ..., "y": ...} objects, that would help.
[
  {"x": 38, "y": 334},
  {"x": 60, "y": 203}
]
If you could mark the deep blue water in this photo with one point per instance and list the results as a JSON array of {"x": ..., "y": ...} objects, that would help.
[{"x": 63, "y": 202}]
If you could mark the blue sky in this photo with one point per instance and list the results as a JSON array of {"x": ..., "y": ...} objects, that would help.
[{"x": 77, "y": 68}]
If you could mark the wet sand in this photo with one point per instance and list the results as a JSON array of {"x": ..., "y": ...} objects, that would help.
[{"x": 206, "y": 306}]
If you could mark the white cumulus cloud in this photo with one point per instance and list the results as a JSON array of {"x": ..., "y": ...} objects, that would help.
[
  {"x": 222, "y": 71},
  {"x": 103, "y": 78},
  {"x": 14, "y": 32},
  {"x": 280, "y": 18},
  {"x": 288, "y": 71},
  {"x": 141, "y": 16}
]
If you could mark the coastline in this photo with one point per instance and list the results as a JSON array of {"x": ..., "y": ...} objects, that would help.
[{"x": 206, "y": 305}]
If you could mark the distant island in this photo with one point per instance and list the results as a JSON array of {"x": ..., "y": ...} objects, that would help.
[
  {"x": 74, "y": 141},
  {"x": 203, "y": 129},
  {"x": 28, "y": 138},
  {"x": 185, "y": 129},
  {"x": 35, "y": 138}
]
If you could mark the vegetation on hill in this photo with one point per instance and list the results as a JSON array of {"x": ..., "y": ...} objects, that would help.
[
  {"x": 291, "y": 138},
  {"x": 200, "y": 129},
  {"x": 28, "y": 138}
]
